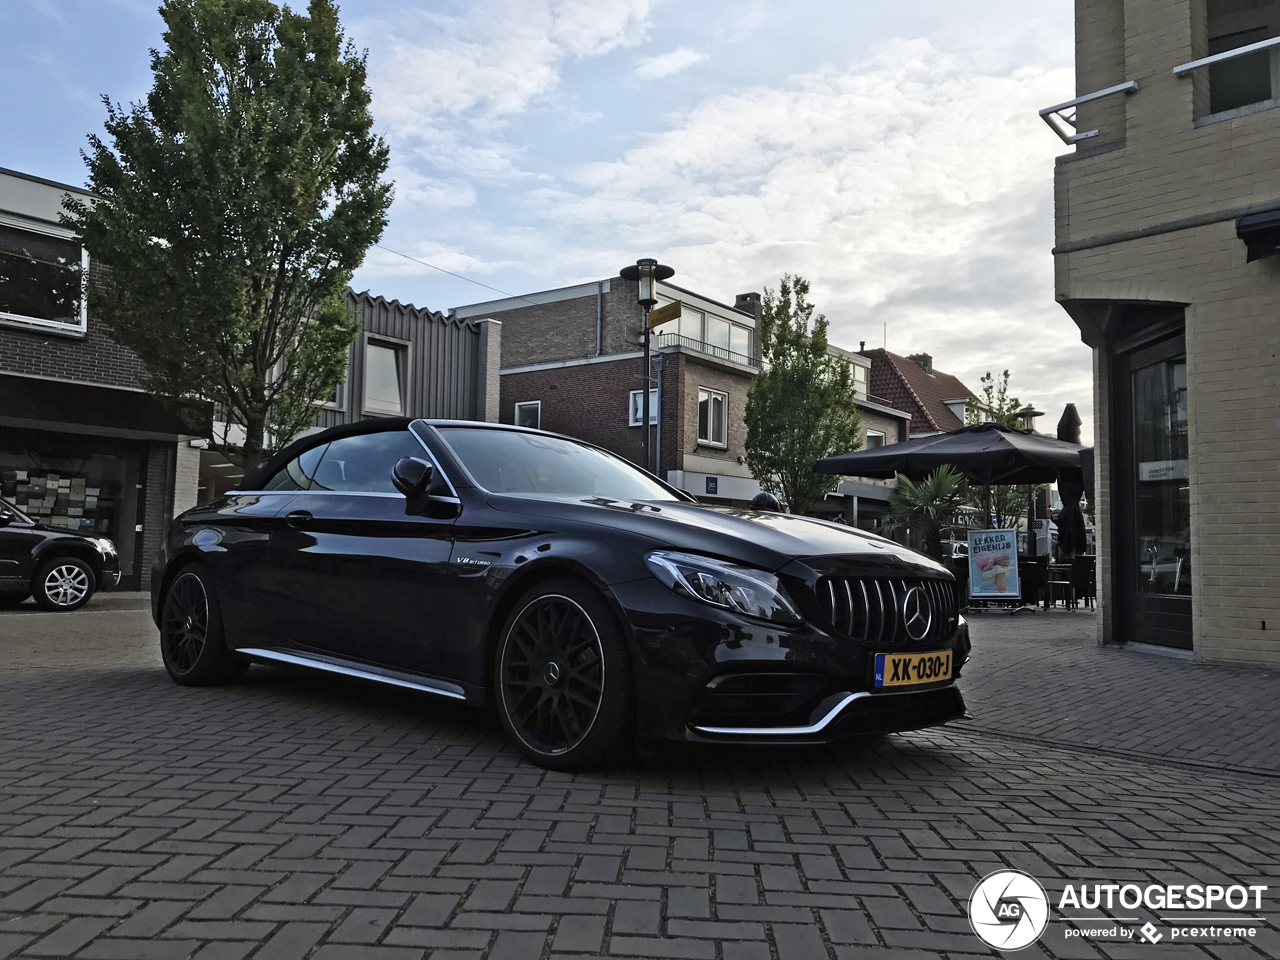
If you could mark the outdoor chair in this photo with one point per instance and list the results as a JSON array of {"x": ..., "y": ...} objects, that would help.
[
  {"x": 1082, "y": 579},
  {"x": 1034, "y": 572},
  {"x": 1060, "y": 585}
]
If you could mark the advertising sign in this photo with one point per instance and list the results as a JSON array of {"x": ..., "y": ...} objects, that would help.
[{"x": 993, "y": 564}]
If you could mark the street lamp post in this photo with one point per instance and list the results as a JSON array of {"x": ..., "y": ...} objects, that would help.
[
  {"x": 1028, "y": 416},
  {"x": 646, "y": 273}
]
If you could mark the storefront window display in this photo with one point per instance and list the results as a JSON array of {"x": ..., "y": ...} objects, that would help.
[{"x": 90, "y": 486}]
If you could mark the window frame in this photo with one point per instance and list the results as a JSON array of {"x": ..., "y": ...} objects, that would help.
[
  {"x": 451, "y": 497},
  {"x": 515, "y": 414},
  {"x": 342, "y": 392},
  {"x": 402, "y": 349},
  {"x": 880, "y": 434},
  {"x": 22, "y": 321},
  {"x": 635, "y": 410},
  {"x": 724, "y": 418}
]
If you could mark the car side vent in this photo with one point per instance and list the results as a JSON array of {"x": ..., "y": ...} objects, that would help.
[{"x": 890, "y": 612}]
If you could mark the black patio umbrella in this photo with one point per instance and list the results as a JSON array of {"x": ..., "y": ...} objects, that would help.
[
  {"x": 988, "y": 453},
  {"x": 1072, "y": 539}
]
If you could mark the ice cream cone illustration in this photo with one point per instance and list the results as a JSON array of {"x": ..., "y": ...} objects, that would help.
[{"x": 1001, "y": 567}]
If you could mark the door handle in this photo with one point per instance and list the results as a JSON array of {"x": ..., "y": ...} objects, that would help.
[{"x": 298, "y": 518}]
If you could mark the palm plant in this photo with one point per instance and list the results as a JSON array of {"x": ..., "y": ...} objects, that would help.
[{"x": 928, "y": 508}]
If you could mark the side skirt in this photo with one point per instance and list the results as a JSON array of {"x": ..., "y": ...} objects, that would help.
[{"x": 359, "y": 671}]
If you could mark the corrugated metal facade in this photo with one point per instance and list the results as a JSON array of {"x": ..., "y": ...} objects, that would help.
[{"x": 446, "y": 362}]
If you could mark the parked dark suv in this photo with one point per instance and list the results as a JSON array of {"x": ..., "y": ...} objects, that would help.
[
  {"x": 61, "y": 568},
  {"x": 582, "y": 598}
]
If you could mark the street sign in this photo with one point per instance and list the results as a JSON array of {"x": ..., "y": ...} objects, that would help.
[{"x": 664, "y": 314}]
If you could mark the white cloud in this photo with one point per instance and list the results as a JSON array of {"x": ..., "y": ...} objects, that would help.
[
  {"x": 491, "y": 62},
  {"x": 390, "y": 261},
  {"x": 913, "y": 189},
  {"x": 413, "y": 189},
  {"x": 668, "y": 64}
]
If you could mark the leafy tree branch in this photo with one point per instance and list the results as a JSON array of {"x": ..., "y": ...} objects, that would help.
[{"x": 232, "y": 206}]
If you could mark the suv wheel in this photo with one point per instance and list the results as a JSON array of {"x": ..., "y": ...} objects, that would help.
[
  {"x": 191, "y": 640},
  {"x": 63, "y": 583},
  {"x": 562, "y": 676}
]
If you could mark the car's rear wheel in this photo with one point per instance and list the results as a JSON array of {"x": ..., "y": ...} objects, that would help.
[
  {"x": 563, "y": 676},
  {"x": 64, "y": 583},
  {"x": 192, "y": 644}
]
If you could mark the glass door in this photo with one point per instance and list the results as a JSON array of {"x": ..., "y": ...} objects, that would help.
[{"x": 1153, "y": 499}]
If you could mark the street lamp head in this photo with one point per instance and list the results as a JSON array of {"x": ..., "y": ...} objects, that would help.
[
  {"x": 647, "y": 273},
  {"x": 1028, "y": 416}
]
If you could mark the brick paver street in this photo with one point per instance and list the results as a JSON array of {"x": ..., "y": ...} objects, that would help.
[
  {"x": 292, "y": 816},
  {"x": 1044, "y": 676}
]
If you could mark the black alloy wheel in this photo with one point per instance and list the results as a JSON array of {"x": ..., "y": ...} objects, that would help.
[
  {"x": 191, "y": 641},
  {"x": 184, "y": 627},
  {"x": 563, "y": 677}
]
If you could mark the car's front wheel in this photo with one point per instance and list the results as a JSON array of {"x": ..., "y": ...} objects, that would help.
[
  {"x": 192, "y": 644},
  {"x": 63, "y": 584},
  {"x": 563, "y": 676}
]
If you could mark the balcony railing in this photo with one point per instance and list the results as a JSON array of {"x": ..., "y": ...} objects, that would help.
[
  {"x": 699, "y": 346},
  {"x": 1183, "y": 69},
  {"x": 1065, "y": 126}
]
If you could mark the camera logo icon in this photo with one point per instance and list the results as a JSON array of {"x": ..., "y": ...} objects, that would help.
[{"x": 1008, "y": 910}]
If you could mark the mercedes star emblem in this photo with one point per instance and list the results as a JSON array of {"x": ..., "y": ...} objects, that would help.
[{"x": 917, "y": 613}]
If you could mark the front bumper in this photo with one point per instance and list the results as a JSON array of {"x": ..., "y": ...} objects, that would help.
[{"x": 705, "y": 674}]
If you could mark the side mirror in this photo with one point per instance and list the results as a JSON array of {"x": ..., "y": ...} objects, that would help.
[
  {"x": 412, "y": 476},
  {"x": 5, "y": 519}
]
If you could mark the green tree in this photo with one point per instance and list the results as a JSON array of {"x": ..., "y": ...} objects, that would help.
[
  {"x": 995, "y": 405},
  {"x": 232, "y": 206},
  {"x": 928, "y": 509},
  {"x": 801, "y": 405}
]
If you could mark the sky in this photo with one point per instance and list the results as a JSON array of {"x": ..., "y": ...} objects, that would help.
[{"x": 889, "y": 153}]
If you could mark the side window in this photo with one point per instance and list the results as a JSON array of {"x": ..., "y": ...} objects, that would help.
[
  {"x": 363, "y": 463},
  {"x": 297, "y": 473}
]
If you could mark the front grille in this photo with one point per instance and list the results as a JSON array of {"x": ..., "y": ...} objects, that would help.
[{"x": 875, "y": 609}]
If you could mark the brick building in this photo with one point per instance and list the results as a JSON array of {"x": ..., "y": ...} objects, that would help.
[
  {"x": 1168, "y": 221},
  {"x": 572, "y": 363},
  {"x": 82, "y": 446}
]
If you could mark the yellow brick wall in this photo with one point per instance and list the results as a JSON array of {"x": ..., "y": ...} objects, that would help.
[{"x": 1170, "y": 168}]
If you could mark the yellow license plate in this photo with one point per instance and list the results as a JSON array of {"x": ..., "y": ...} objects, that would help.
[{"x": 897, "y": 669}]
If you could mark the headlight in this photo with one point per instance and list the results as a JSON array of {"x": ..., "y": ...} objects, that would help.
[
  {"x": 105, "y": 546},
  {"x": 745, "y": 590}
]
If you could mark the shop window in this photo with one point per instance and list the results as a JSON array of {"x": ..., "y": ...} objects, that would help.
[
  {"x": 636, "y": 416},
  {"x": 67, "y": 483},
  {"x": 41, "y": 280},
  {"x": 713, "y": 417},
  {"x": 529, "y": 414},
  {"x": 385, "y": 377}
]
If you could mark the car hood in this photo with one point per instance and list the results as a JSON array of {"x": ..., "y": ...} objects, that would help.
[{"x": 762, "y": 539}]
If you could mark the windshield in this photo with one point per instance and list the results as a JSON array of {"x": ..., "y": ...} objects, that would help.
[{"x": 506, "y": 461}]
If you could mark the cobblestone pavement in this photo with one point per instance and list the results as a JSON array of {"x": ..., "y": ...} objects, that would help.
[
  {"x": 1044, "y": 676},
  {"x": 293, "y": 816}
]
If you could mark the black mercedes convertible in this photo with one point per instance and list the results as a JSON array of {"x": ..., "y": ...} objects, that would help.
[{"x": 582, "y": 598}]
